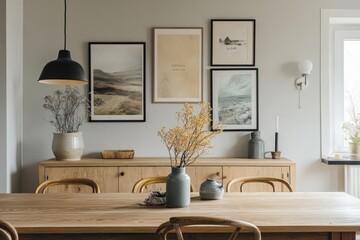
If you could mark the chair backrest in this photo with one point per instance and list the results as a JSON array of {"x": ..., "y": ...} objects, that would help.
[
  {"x": 7, "y": 231},
  {"x": 266, "y": 180},
  {"x": 140, "y": 186},
  {"x": 44, "y": 186},
  {"x": 175, "y": 223}
]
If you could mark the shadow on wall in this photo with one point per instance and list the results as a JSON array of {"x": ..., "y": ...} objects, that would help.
[
  {"x": 29, "y": 183},
  {"x": 240, "y": 148}
]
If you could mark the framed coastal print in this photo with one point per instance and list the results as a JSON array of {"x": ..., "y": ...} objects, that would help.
[
  {"x": 177, "y": 65},
  {"x": 233, "y": 42},
  {"x": 234, "y": 99},
  {"x": 117, "y": 81}
]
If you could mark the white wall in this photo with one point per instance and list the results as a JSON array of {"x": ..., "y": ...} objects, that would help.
[
  {"x": 11, "y": 62},
  {"x": 3, "y": 164},
  {"x": 286, "y": 32},
  {"x": 14, "y": 89}
]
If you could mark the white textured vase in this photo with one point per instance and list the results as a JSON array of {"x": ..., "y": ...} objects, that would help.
[{"x": 68, "y": 146}]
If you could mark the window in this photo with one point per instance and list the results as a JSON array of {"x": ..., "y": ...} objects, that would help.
[{"x": 340, "y": 76}]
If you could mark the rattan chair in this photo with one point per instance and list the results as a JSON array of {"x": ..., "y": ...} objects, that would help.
[
  {"x": 176, "y": 223},
  {"x": 7, "y": 231},
  {"x": 266, "y": 180},
  {"x": 44, "y": 186},
  {"x": 140, "y": 186}
]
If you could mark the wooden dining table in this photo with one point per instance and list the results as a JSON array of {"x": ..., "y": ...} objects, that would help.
[{"x": 297, "y": 215}]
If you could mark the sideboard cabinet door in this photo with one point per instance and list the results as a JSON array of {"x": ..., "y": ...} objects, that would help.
[
  {"x": 106, "y": 177},
  {"x": 128, "y": 176},
  {"x": 199, "y": 174},
  {"x": 231, "y": 172}
]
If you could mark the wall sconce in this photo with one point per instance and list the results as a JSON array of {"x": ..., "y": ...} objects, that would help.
[
  {"x": 305, "y": 68},
  {"x": 302, "y": 82}
]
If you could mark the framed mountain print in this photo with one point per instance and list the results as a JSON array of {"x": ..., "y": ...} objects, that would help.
[{"x": 117, "y": 81}]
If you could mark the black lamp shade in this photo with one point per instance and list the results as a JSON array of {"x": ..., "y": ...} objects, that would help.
[{"x": 63, "y": 71}]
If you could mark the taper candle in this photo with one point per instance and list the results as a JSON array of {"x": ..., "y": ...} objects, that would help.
[{"x": 276, "y": 132}]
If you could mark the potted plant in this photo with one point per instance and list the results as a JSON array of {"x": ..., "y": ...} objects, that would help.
[
  {"x": 351, "y": 130},
  {"x": 68, "y": 110},
  {"x": 185, "y": 143}
]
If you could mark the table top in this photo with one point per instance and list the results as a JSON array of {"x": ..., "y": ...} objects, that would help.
[{"x": 121, "y": 212}]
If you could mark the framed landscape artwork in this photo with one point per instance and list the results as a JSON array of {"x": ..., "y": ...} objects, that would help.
[
  {"x": 177, "y": 65},
  {"x": 234, "y": 99},
  {"x": 117, "y": 81},
  {"x": 233, "y": 42}
]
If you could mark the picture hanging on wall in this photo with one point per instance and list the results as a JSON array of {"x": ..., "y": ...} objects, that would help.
[
  {"x": 117, "y": 81},
  {"x": 233, "y": 42},
  {"x": 177, "y": 65},
  {"x": 234, "y": 99}
]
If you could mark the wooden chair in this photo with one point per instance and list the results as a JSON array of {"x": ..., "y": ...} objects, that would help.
[
  {"x": 175, "y": 223},
  {"x": 267, "y": 180},
  {"x": 140, "y": 185},
  {"x": 44, "y": 186},
  {"x": 7, "y": 231}
]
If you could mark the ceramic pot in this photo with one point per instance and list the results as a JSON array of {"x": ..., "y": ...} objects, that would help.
[
  {"x": 354, "y": 149},
  {"x": 68, "y": 146},
  {"x": 211, "y": 190},
  {"x": 256, "y": 146},
  {"x": 177, "y": 188}
]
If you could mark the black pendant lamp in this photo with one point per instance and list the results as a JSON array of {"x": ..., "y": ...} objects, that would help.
[{"x": 63, "y": 70}]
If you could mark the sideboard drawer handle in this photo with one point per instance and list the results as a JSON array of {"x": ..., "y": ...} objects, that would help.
[
  {"x": 122, "y": 174},
  {"x": 217, "y": 174}
]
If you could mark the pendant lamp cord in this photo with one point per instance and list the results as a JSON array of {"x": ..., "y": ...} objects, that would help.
[{"x": 65, "y": 24}]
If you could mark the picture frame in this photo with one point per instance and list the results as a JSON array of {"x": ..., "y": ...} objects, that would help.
[
  {"x": 117, "y": 81},
  {"x": 178, "y": 65},
  {"x": 234, "y": 99},
  {"x": 233, "y": 42}
]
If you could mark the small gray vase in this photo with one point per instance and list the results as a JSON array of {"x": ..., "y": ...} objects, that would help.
[
  {"x": 177, "y": 188},
  {"x": 211, "y": 190}
]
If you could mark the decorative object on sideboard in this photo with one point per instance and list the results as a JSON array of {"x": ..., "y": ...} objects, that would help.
[
  {"x": 273, "y": 155},
  {"x": 351, "y": 128},
  {"x": 276, "y": 154},
  {"x": 185, "y": 143},
  {"x": 68, "y": 110},
  {"x": 256, "y": 146},
  {"x": 118, "y": 154},
  {"x": 302, "y": 82},
  {"x": 63, "y": 70},
  {"x": 211, "y": 189}
]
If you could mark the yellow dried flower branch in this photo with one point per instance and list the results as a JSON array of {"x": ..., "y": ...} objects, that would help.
[{"x": 191, "y": 137}]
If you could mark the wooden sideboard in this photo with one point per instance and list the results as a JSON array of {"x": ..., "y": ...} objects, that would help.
[{"x": 120, "y": 175}]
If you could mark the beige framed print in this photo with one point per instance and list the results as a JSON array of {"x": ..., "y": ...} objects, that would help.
[
  {"x": 233, "y": 42},
  {"x": 177, "y": 65}
]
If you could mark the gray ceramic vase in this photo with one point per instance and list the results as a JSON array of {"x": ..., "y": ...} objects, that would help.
[{"x": 177, "y": 188}]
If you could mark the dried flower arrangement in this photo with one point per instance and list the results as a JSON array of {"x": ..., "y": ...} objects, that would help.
[
  {"x": 191, "y": 137},
  {"x": 352, "y": 128},
  {"x": 65, "y": 108}
]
